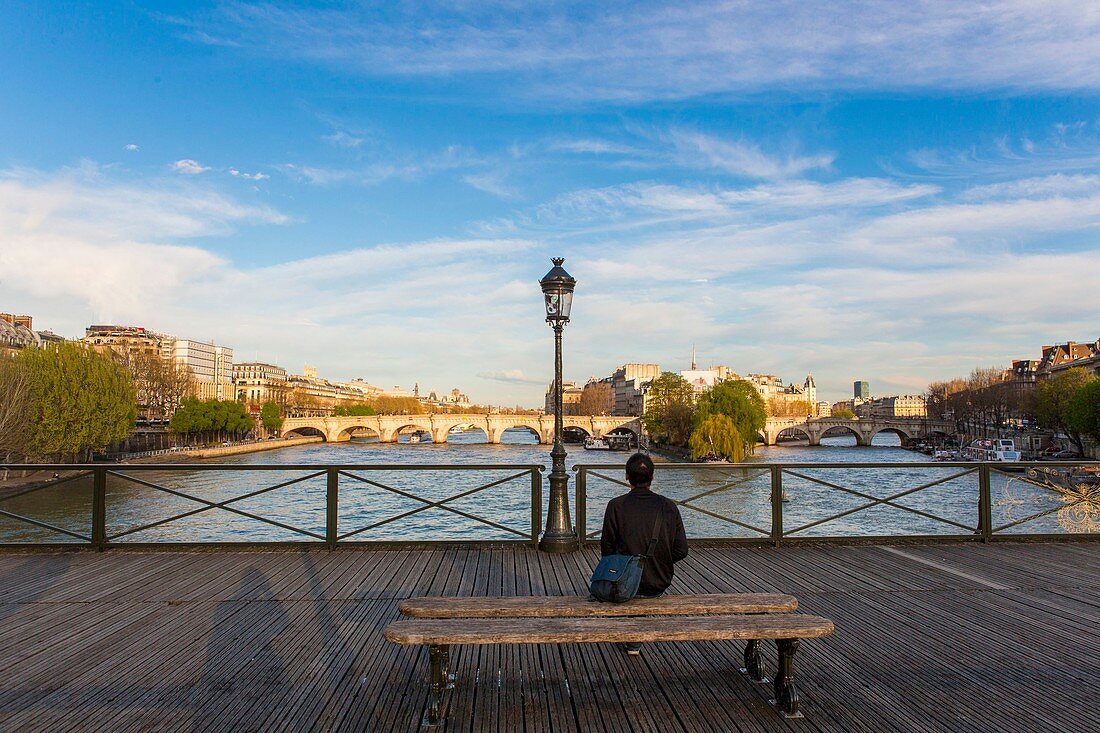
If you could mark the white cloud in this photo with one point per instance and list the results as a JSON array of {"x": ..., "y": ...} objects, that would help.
[
  {"x": 189, "y": 167},
  {"x": 491, "y": 182},
  {"x": 512, "y": 376},
  {"x": 131, "y": 147},
  {"x": 343, "y": 139},
  {"x": 699, "y": 150},
  {"x": 249, "y": 176},
  {"x": 653, "y": 49}
]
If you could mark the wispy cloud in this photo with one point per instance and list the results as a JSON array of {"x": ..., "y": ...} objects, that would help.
[
  {"x": 131, "y": 147},
  {"x": 656, "y": 50},
  {"x": 189, "y": 167},
  {"x": 699, "y": 150},
  {"x": 343, "y": 139},
  {"x": 510, "y": 376},
  {"x": 249, "y": 176}
]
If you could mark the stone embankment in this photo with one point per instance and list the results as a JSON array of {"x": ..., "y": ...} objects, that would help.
[{"x": 230, "y": 450}]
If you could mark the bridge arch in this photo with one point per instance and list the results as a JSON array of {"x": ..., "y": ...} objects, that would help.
[
  {"x": 789, "y": 431},
  {"x": 345, "y": 433},
  {"x": 305, "y": 431},
  {"x": 902, "y": 434},
  {"x": 837, "y": 431}
]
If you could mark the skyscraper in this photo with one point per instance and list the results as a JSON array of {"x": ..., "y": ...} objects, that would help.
[{"x": 861, "y": 390}]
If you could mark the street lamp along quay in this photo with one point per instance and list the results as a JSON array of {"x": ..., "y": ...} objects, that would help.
[{"x": 557, "y": 291}]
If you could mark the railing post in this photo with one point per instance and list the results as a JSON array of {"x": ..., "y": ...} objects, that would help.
[
  {"x": 985, "y": 504},
  {"x": 332, "y": 507},
  {"x": 536, "y": 506},
  {"x": 581, "y": 527},
  {"x": 777, "y": 505},
  {"x": 99, "y": 507}
]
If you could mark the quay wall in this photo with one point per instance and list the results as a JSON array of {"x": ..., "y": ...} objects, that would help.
[{"x": 234, "y": 450}]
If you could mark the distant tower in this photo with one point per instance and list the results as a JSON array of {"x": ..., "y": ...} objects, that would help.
[
  {"x": 861, "y": 390},
  {"x": 810, "y": 389},
  {"x": 693, "y": 367},
  {"x": 416, "y": 390}
]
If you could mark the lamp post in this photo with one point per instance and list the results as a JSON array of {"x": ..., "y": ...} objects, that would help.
[{"x": 557, "y": 290}]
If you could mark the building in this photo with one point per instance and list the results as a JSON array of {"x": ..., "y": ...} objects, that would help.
[
  {"x": 824, "y": 409},
  {"x": 897, "y": 406},
  {"x": 257, "y": 382},
  {"x": 16, "y": 332},
  {"x": 1070, "y": 355},
  {"x": 791, "y": 400},
  {"x": 126, "y": 340},
  {"x": 211, "y": 366},
  {"x": 626, "y": 387},
  {"x": 570, "y": 397},
  {"x": 861, "y": 390}
]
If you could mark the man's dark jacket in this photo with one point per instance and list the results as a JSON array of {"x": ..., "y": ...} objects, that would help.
[{"x": 628, "y": 528}]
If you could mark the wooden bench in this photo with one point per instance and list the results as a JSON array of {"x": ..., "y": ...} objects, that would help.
[{"x": 440, "y": 623}]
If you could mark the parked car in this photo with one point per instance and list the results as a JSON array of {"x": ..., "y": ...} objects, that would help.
[{"x": 1062, "y": 455}]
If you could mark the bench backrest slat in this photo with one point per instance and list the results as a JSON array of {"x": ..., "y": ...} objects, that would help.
[{"x": 582, "y": 606}]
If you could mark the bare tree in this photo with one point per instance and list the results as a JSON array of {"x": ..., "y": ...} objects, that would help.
[{"x": 15, "y": 410}]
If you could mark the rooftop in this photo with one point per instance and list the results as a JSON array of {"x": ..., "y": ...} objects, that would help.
[{"x": 944, "y": 637}]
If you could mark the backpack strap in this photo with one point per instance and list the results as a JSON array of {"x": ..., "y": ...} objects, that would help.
[{"x": 658, "y": 524}]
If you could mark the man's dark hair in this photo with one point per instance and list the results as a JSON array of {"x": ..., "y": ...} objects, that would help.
[{"x": 639, "y": 470}]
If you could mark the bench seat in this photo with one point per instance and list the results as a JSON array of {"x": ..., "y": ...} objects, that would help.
[
  {"x": 584, "y": 606},
  {"x": 787, "y": 629}
]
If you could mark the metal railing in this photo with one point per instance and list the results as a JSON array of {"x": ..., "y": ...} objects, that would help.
[
  {"x": 339, "y": 482},
  {"x": 968, "y": 486},
  {"x": 393, "y": 502}
]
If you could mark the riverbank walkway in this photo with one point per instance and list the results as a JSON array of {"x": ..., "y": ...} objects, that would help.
[{"x": 930, "y": 637}]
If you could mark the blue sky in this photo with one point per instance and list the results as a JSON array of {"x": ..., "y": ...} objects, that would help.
[{"x": 896, "y": 194}]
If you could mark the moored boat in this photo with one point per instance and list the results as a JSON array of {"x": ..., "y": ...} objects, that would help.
[
  {"x": 999, "y": 450},
  {"x": 596, "y": 444}
]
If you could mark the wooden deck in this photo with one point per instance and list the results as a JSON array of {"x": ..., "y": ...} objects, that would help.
[{"x": 948, "y": 637}]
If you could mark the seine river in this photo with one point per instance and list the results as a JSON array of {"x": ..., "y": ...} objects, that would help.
[{"x": 376, "y": 503}]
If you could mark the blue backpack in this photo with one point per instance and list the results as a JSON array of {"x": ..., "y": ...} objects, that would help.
[{"x": 617, "y": 577}]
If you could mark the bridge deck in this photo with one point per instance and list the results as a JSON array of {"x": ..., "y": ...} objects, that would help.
[{"x": 929, "y": 638}]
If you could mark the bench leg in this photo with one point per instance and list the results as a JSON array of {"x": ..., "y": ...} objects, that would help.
[
  {"x": 447, "y": 671},
  {"x": 786, "y": 696},
  {"x": 437, "y": 683},
  {"x": 754, "y": 662}
]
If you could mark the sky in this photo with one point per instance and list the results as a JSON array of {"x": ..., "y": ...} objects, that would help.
[{"x": 895, "y": 193}]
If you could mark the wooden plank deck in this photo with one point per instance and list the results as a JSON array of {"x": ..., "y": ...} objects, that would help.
[{"x": 946, "y": 637}]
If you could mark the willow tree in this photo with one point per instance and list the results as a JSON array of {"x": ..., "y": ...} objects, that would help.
[
  {"x": 741, "y": 403},
  {"x": 717, "y": 436},
  {"x": 81, "y": 401}
]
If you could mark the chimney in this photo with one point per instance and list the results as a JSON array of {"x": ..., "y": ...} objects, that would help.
[
  {"x": 24, "y": 321},
  {"x": 7, "y": 317}
]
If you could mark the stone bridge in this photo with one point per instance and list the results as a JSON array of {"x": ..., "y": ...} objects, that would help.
[
  {"x": 388, "y": 427},
  {"x": 864, "y": 429}
]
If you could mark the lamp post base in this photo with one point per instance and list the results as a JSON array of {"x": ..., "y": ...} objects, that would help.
[{"x": 559, "y": 543}]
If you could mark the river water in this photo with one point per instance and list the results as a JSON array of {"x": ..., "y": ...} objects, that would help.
[{"x": 377, "y": 503}]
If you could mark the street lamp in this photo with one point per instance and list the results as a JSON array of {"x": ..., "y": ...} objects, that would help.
[{"x": 557, "y": 290}]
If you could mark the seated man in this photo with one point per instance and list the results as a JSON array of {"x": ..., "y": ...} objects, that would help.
[{"x": 628, "y": 526}]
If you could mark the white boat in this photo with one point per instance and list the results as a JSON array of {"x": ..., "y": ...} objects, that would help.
[
  {"x": 596, "y": 444},
  {"x": 945, "y": 455},
  {"x": 1000, "y": 450}
]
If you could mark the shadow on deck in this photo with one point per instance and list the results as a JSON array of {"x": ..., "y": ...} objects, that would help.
[{"x": 929, "y": 638}]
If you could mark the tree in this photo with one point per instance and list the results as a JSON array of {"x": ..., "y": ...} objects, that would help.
[
  {"x": 716, "y": 435},
  {"x": 1083, "y": 409},
  {"x": 81, "y": 400},
  {"x": 358, "y": 410},
  {"x": 1053, "y": 398},
  {"x": 271, "y": 416},
  {"x": 741, "y": 402},
  {"x": 843, "y": 413},
  {"x": 211, "y": 418},
  {"x": 15, "y": 409},
  {"x": 670, "y": 410},
  {"x": 789, "y": 408},
  {"x": 596, "y": 399}
]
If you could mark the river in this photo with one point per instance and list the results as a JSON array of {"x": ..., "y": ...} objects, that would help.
[{"x": 731, "y": 501}]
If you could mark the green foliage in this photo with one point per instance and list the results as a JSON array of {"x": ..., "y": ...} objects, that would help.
[
  {"x": 670, "y": 410},
  {"x": 81, "y": 400},
  {"x": 741, "y": 403},
  {"x": 1083, "y": 409},
  {"x": 1053, "y": 398},
  {"x": 206, "y": 418},
  {"x": 271, "y": 416},
  {"x": 716, "y": 435},
  {"x": 359, "y": 410},
  {"x": 844, "y": 413}
]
